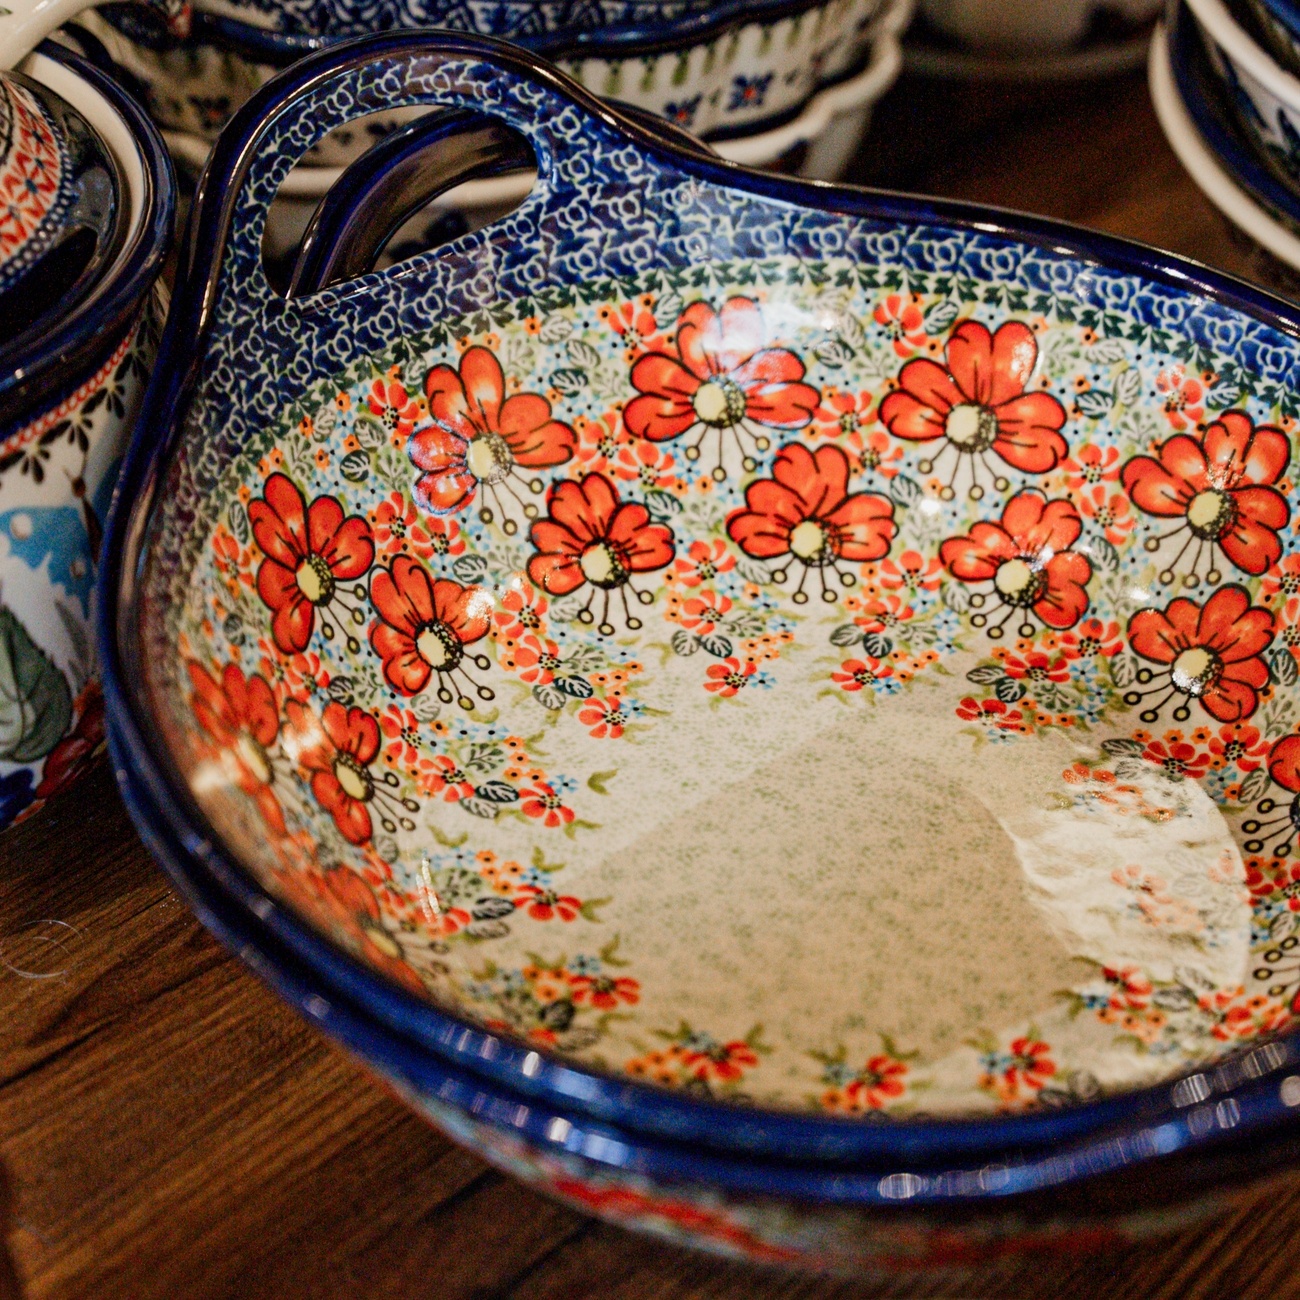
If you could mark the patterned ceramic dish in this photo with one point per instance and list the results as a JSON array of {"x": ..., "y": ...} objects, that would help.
[
  {"x": 502, "y": 626},
  {"x": 67, "y": 403},
  {"x": 1266, "y": 96},
  {"x": 1083, "y": 1197},
  {"x": 1205, "y": 146},
  {"x": 63, "y": 219},
  {"x": 1205, "y": 97},
  {"x": 743, "y": 72}
]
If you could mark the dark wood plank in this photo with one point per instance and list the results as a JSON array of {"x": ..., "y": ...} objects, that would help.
[{"x": 168, "y": 1129}]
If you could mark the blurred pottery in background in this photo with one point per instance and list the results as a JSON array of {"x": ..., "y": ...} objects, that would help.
[{"x": 69, "y": 392}]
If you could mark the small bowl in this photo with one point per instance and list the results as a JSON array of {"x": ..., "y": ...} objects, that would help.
[
  {"x": 801, "y": 648},
  {"x": 65, "y": 215},
  {"x": 68, "y": 400},
  {"x": 1265, "y": 95},
  {"x": 1232, "y": 179},
  {"x": 1115, "y": 1191},
  {"x": 739, "y": 74},
  {"x": 1205, "y": 97}
]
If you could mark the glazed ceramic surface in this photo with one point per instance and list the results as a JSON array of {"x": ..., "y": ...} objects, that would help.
[
  {"x": 1266, "y": 96},
  {"x": 823, "y": 1219},
  {"x": 1204, "y": 95},
  {"x": 514, "y": 618},
  {"x": 60, "y": 449},
  {"x": 1207, "y": 155},
  {"x": 732, "y": 78}
]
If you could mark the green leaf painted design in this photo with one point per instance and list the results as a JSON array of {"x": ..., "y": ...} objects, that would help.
[{"x": 35, "y": 702}]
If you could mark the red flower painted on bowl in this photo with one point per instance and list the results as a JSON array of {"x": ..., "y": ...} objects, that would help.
[
  {"x": 606, "y": 718},
  {"x": 1108, "y": 512},
  {"x": 545, "y": 904},
  {"x": 976, "y": 404},
  {"x": 1183, "y": 397},
  {"x": 336, "y": 751},
  {"x": 724, "y": 378},
  {"x": 397, "y": 411},
  {"x": 1221, "y": 485},
  {"x": 1028, "y": 560},
  {"x": 1208, "y": 653},
  {"x": 605, "y": 992},
  {"x": 479, "y": 436},
  {"x": 805, "y": 515},
  {"x": 424, "y": 627},
  {"x": 902, "y": 320},
  {"x": 1241, "y": 745},
  {"x": 729, "y": 677},
  {"x": 1092, "y": 637},
  {"x": 310, "y": 551},
  {"x": 725, "y": 1062},
  {"x": 541, "y": 802},
  {"x": 240, "y": 715},
  {"x": 592, "y": 537},
  {"x": 1275, "y": 827},
  {"x": 861, "y": 674}
]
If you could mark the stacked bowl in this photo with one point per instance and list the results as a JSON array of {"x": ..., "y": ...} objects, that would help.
[
  {"x": 784, "y": 79},
  {"x": 670, "y": 679},
  {"x": 87, "y": 204},
  {"x": 1226, "y": 86}
]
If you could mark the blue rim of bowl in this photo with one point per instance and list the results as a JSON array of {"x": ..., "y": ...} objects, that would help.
[
  {"x": 558, "y": 1132},
  {"x": 1204, "y": 95},
  {"x": 59, "y": 362},
  {"x": 502, "y": 1058},
  {"x": 625, "y": 41}
]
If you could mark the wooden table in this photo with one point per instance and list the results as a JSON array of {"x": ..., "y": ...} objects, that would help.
[{"x": 168, "y": 1129}]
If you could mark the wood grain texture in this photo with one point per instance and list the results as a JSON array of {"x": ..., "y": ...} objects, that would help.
[{"x": 168, "y": 1129}]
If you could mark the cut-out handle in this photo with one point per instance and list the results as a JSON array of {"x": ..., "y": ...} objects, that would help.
[{"x": 405, "y": 173}]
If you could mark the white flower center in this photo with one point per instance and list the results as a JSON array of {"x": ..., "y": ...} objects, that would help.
[
  {"x": 711, "y": 403},
  {"x": 432, "y": 648},
  {"x": 1209, "y": 511},
  {"x": 253, "y": 757},
  {"x": 599, "y": 565},
  {"x": 971, "y": 427},
  {"x": 1195, "y": 669},
  {"x": 1013, "y": 577},
  {"x": 353, "y": 782},
  {"x": 808, "y": 540}
]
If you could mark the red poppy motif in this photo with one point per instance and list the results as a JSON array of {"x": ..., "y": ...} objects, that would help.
[
  {"x": 390, "y": 404},
  {"x": 861, "y": 674},
  {"x": 350, "y": 901},
  {"x": 336, "y": 751},
  {"x": 424, "y": 625},
  {"x": 1027, "y": 558},
  {"x": 310, "y": 551},
  {"x": 976, "y": 403},
  {"x": 1210, "y": 654},
  {"x": 724, "y": 378},
  {"x": 479, "y": 436},
  {"x": 804, "y": 514},
  {"x": 239, "y": 714},
  {"x": 606, "y": 718},
  {"x": 591, "y": 536},
  {"x": 902, "y": 320},
  {"x": 1221, "y": 485},
  {"x": 605, "y": 991},
  {"x": 725, "y": 1062},
  {"x": 1272, "y": 833},
  {"x": 1183, "y": 397},
  {"x": 541, "y": 802},
  {"x": 729, "y": 677},
  {"x": 544, "y": 904}
]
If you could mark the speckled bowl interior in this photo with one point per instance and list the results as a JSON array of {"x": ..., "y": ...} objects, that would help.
[{"x": 768, "y": 643}]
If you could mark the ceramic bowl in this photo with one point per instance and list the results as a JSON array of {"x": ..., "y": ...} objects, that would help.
[
  {"x": 1232, "y": 179},
  {"x": 25, "y": 23},
  {"x": 1028, "y": 25},
  {"x": 1266, "y": 96},
  {"x": 65, "y": 216},
  {"x": 504, "y": 624},
  {"x": 1082, "y": 1198},
  {"x": 67, "y": 403},
  {"x": 741, "y": 73},
  {"x": 1204, "y": 97}
]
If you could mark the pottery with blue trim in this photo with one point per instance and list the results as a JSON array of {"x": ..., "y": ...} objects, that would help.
[
  {"x": 1114, "y": 1190},
  {"x": 68, "y": 398},
  {"x": 1266, "y": 96},
  {"x": 752, "y": 659},
  {"x": 740, "y": 72},
  {"x": 1279, "y": 24}
]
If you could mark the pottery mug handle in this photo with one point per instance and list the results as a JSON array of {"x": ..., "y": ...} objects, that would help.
[{"x": 24, "y": 24}]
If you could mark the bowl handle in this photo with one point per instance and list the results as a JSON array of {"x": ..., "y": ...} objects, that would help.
[
  {"x": 406, "y": 172},
  {"x": 593, "y": 162}
]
